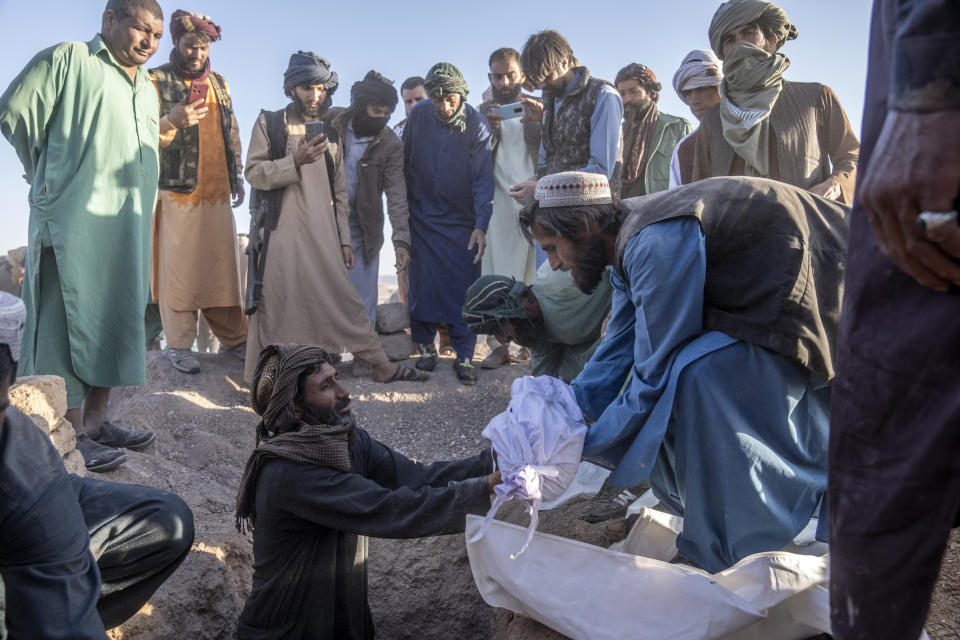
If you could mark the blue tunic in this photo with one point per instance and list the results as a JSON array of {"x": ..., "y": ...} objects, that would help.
[
  {"x": 450, "y": 191},
  {"x": 733, "y": 437}
]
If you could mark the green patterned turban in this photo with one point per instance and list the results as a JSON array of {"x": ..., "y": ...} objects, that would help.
[{"x": 735, "y": 13}]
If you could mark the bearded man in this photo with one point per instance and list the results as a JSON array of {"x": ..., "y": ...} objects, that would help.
[
  {"x": 307, "y": 293},
  {"x": 194, "y": 250},
  {"x": 84, "y": 121},
  {"x": 516, "y": 144},
  {"x": 726, "y": 298},
  {"x": 580, "y": 124},
  {"x": 649, "y": 135},
  {"x": 795, "y": 132},
  {"x": 373, "y": 157},
  {"x": 697, "y": 83},
  {"x": 447, "y": 157},
  {"x": 316, "y": 486}
]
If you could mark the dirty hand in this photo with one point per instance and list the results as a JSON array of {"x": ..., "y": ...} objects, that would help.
[
  {"x": 238, "y": 191},
  {"x": 915, "y": 168},
  {"x": 479, "y": 239},
  {"x": 523, "y": 191},
  {"x": 532, "y": 110},
  {"x": 186, "y": 115},
  {"x": 493, "y": 480},
  {"x": 348, "y": 260},
  {"x": 403, "y": 259},
  {"x": 309, "y": 151},
  {"x": 829, "y": 189}
]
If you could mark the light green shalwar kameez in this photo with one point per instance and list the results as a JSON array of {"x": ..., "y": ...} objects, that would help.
[{"x": 87, "y": 137}]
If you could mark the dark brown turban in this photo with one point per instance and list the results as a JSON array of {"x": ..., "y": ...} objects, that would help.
[{"x": 182, "y": 22}]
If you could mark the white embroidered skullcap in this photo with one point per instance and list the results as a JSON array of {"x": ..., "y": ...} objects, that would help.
[
  {"x": 572, "y": 188},
  {"x": 13, "y": 316}
]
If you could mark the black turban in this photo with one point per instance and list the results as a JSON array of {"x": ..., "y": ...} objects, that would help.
[
  {"x": 376, "y": 90},
  {"x": 307, "y": 68}
]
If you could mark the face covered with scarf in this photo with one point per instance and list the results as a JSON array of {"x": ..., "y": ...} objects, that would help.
[
  {"x": 307, "y": 76},
  {"x": 447, "y": 89},
  {"x": 372, "y": 100}
]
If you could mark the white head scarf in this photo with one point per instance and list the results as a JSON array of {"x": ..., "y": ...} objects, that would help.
[
  {"x": 700, "y": 68},
  {"x": 13, "y": 316}
]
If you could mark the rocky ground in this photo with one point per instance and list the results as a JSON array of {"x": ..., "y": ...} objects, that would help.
[{"x": 419, "y": 588}]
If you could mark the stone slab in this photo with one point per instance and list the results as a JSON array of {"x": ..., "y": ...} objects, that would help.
[
  {"x": 398, "y": 346},
  {"x": 392, "y": 317},
  {"x": 41, "y": 397}
]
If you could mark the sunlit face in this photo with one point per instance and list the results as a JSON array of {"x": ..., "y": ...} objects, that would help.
[
  {"x": 193, "y": 51},
  {"x": 412, "y": 97},
  {"x": 446, "y": 104},
  {"x": 561, "y": 253},
  {"x": 132, "y": 40},
  {"x": 323, "y": 391},
  {"x": 310, "y": 96},
  {"x": 751, "y": 33},
  {"x": 506, "y": 78},
  {"x": 633, "y": 93},
  {"x": 701, "y": 99}
]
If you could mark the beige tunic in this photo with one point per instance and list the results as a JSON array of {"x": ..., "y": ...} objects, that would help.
[
  {"x": 308, "y": 297},
  {"x": 194, "y": 262}
]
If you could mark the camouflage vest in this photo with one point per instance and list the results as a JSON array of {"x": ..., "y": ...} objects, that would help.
[
  {"x": 566, "y": 134},
  {"x": 178, "y": 161}
]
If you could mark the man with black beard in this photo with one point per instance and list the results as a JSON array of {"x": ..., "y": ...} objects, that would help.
[
  {"x": 373, "y": 160},
  {"x": 316, "y": 486},
  {"x": 309, "y": 252},
  {"x": 726, "y": 298},
  {"x": 516, "y": 143}
]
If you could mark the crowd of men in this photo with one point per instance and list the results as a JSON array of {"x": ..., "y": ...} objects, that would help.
[{"x": 688, "y": 283}]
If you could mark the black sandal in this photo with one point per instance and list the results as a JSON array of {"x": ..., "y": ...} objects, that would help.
[{"x": 406, "y": 374}]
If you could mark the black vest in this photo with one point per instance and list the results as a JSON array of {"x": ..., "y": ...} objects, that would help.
[
  {"x": 775, "y": 261},
  {"x": 178, "y": 161}
]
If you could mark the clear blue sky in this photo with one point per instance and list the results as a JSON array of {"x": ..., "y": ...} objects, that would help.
[{"x": 405, "y": 39}]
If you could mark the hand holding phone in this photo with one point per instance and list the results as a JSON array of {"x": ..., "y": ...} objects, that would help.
[
  {"x": 512, "y": 110},
  {"x": 313, "y": 129},
  {"x": 198, "y": 91}
]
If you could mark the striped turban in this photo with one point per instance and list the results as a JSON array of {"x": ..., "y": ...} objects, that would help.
[
  {"x": 13, "y": 315},
  {"x": 490, "y": 300},
  {"x": 700, "y": 68}
]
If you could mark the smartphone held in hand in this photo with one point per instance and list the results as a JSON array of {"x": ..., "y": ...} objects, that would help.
[
  {"x": 313, "y": 128},
  {"x": 512, "y": 110},
  {"x": 198, "y": 91}
]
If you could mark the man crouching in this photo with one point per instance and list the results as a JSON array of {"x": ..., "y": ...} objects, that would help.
[{"x": 316, "y": 486}]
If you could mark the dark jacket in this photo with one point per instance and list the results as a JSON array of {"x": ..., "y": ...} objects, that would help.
[
  {"x": 775, "y": 261},
  {"x": 566, "y": 135},
  {"x": 380, "y": 171},
  {"x": 531, "y": 132}
]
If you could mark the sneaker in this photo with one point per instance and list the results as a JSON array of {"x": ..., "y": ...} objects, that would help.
[
  {"x": 134, "y": 439},
  {"x": 465, "y": 372},
  {"x": 497, "y": 358},
  {"x": 240, "y": 351},
  {"x": 97, "y": 457},
  {"x": 427, "y": 360},
  {"x": 182, "y": 360}
]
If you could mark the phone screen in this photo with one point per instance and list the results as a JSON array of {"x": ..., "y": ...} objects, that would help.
[{"x": 313, "y": 129}]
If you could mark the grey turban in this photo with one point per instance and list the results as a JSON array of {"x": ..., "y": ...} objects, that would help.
[
  {"x": 699, "y": 69},
  {"x": 735, "y": 13},
  {"x": 308, "y": 68},
  {"x": 13, "y": 315},
  {"x": 490, "y": 300}
]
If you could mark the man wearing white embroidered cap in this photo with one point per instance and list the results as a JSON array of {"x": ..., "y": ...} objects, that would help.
[{"x": 726, "y": 294}]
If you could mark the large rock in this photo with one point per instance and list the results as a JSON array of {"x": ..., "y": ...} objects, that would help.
[
  {"x": 44, "y": 400},
  {"x": 392, "y": 317},
  {"x": 398, "y": 346}
]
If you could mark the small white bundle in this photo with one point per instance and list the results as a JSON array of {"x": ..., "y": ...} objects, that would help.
[{"x": 538, "y": 441}]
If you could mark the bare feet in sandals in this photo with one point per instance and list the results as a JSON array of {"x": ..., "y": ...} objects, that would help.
[{"x": 389, "y": 372}]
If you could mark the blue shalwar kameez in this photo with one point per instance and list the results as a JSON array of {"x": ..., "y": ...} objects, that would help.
[
  {"x": 732, "y": 436},
  {"x": 450, "y": 191}
]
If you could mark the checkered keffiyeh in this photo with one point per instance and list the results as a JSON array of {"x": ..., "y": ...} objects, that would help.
[
  {"x": 278, "y": 434},
  {"x": 571, "y": 189},
  {"x": 13, "y": 316}
]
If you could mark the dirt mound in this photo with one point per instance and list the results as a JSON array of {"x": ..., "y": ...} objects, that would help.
[{"x": 418, "y": 588}]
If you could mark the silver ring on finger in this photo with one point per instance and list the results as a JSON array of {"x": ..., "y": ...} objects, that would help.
[{"x": 929, "y": 221}]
